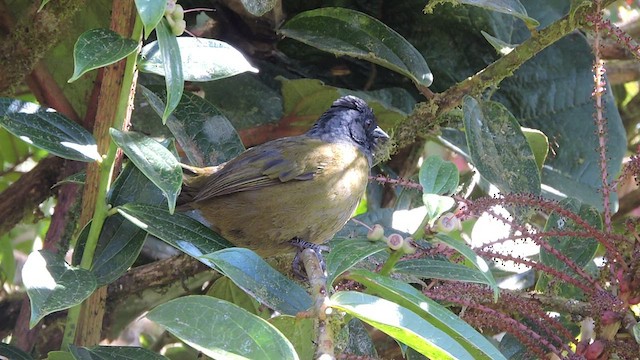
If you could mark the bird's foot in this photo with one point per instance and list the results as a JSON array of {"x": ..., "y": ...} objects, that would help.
[{"x": 301, "y": 245}]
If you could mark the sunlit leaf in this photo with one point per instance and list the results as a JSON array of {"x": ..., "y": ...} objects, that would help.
[
  {"x": 343, "y": 31},
  {"x": 251, "y": 273},
  {"x": 54, "y": 285},
  {"x": 202, "y": 59},
  {"x": 97, "y": 48},
  {"x": 47, "y": 129},
  {"x": 154, "y": 160},
  {"x": 222, "y": 330}
]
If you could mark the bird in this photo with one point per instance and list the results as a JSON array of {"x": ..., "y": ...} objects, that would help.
[{"x": 299, "y": 188}]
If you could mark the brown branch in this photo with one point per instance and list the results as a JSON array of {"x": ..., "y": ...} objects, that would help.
[
  {"x": 123, "y": 15},
  {"x": 34, "y": 34},
  {"x": 21, "y": 197},
  {"x": 628, "y": 203}
]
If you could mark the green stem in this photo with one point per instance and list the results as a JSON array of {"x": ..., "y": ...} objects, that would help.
[
  {"x": 101, "y": 210},
  {"x": 391, "y": 262},
  {"x": 419, "y": 233}
]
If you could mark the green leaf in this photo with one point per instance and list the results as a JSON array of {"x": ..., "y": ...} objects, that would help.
[
  {"x": 78, "y": 178},
  {"x": 203, "y": 132},
  {"x": 13, "y": 353},
  {"x": 151, "y": 12},
  {"x": 401, "y": 324},
  {"x": 7, "y": 259},
  {"x": 636, "y": 332},
  {"x": 345, "y": 253},
  {"x": 578, "y": 249},
  {"x": 202, "y": 59},
  {"x": 221, "y": 330},
  {"x": 156, "y": 162},
  {"x": 437, "y": 205},
  {"x": 348, "y": 32},
  {"x": 440, "y": 269},
  {"x": 360, "y": 342},
  {"x": 120, "y": 243},
  {"x": 113, "y": 352},
  {"x": 565, "y": 115},
  {"x": 498, "y": 148},
  {"x": 251, "y": 273},
  {"x": 97, "y": 48},
  {"x": 438, "y": 176},
  {"x": 258, "y": 7},
  {"x": 60, "y": 355},
  {"x": 510, "y": 7},
  {"x": 42, "y": 4},
  {"x": 539, "y": 144},
  {"x": 54, "y": 285},
  {"x": 501, "y": 47},
  {"x": 47, "y": 129},
  {"x": 305, "y": 100},
  {"x": 177, "y": 230},
  {"x": 299, "y": 331},
  {"x": 225, "y": 289},
  {"x": 473, "y": 258},
  {"x": 436, "y": 314},
  {"x": 171, "y": 61}
]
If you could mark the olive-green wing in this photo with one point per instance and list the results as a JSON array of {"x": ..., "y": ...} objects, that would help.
[{"x": 275, "y": 162}]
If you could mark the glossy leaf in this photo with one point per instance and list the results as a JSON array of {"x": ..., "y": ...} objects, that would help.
[
  {"x": 202, "y": 59},
  {"x": 97, "y": 48},
  {"x": 47, "y": 129},
  {"x": 345, "y": 253},
  {"x": 473, "y": 258},
  {"x": 299, "y": 331},
  {"x": 498, "y": 148},
  {"x": 436, "y": 314},
  {"x": 437, "y": 205},
  {"x": 77, "y": 178},
  {"x": 13, "y": 353},
  {"x": 151, "y": 12},
  {"x": 511, "y": 7},
  {"x": 438, "y": 176},
  {"x": 54, "y": 285},
  {"x": 401, "y": 324},
  {"x": 565, "y": 114},
  {"x": 539, "y": 144},
  {"x": 120, "y": 243},
  {"x": 225, "y": 289},
  {"x": 156, "y": 162},
  {"x": 113, "y": 352},
  {"x": 501, "y": 47},
  {"x": 258, "y": 7},
  {"x": 343, "y": 31},
  {"x": 203, "y": 132},
  {"x": 440, "y": 269},
  {"x": 204, "y": 323},
  {"x": 251, "y": 273},
  {"x": 360, "y": 342},
  {"x": 172, "y": 64},
  {"x": 578, "y": 249},
  {"x": 177, "y": 230}
]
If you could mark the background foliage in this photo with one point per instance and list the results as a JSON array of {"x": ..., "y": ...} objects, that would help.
[{"x": 508, "y": 202}]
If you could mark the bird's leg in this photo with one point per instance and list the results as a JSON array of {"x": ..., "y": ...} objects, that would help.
[{"x": 301, "y": 245}]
